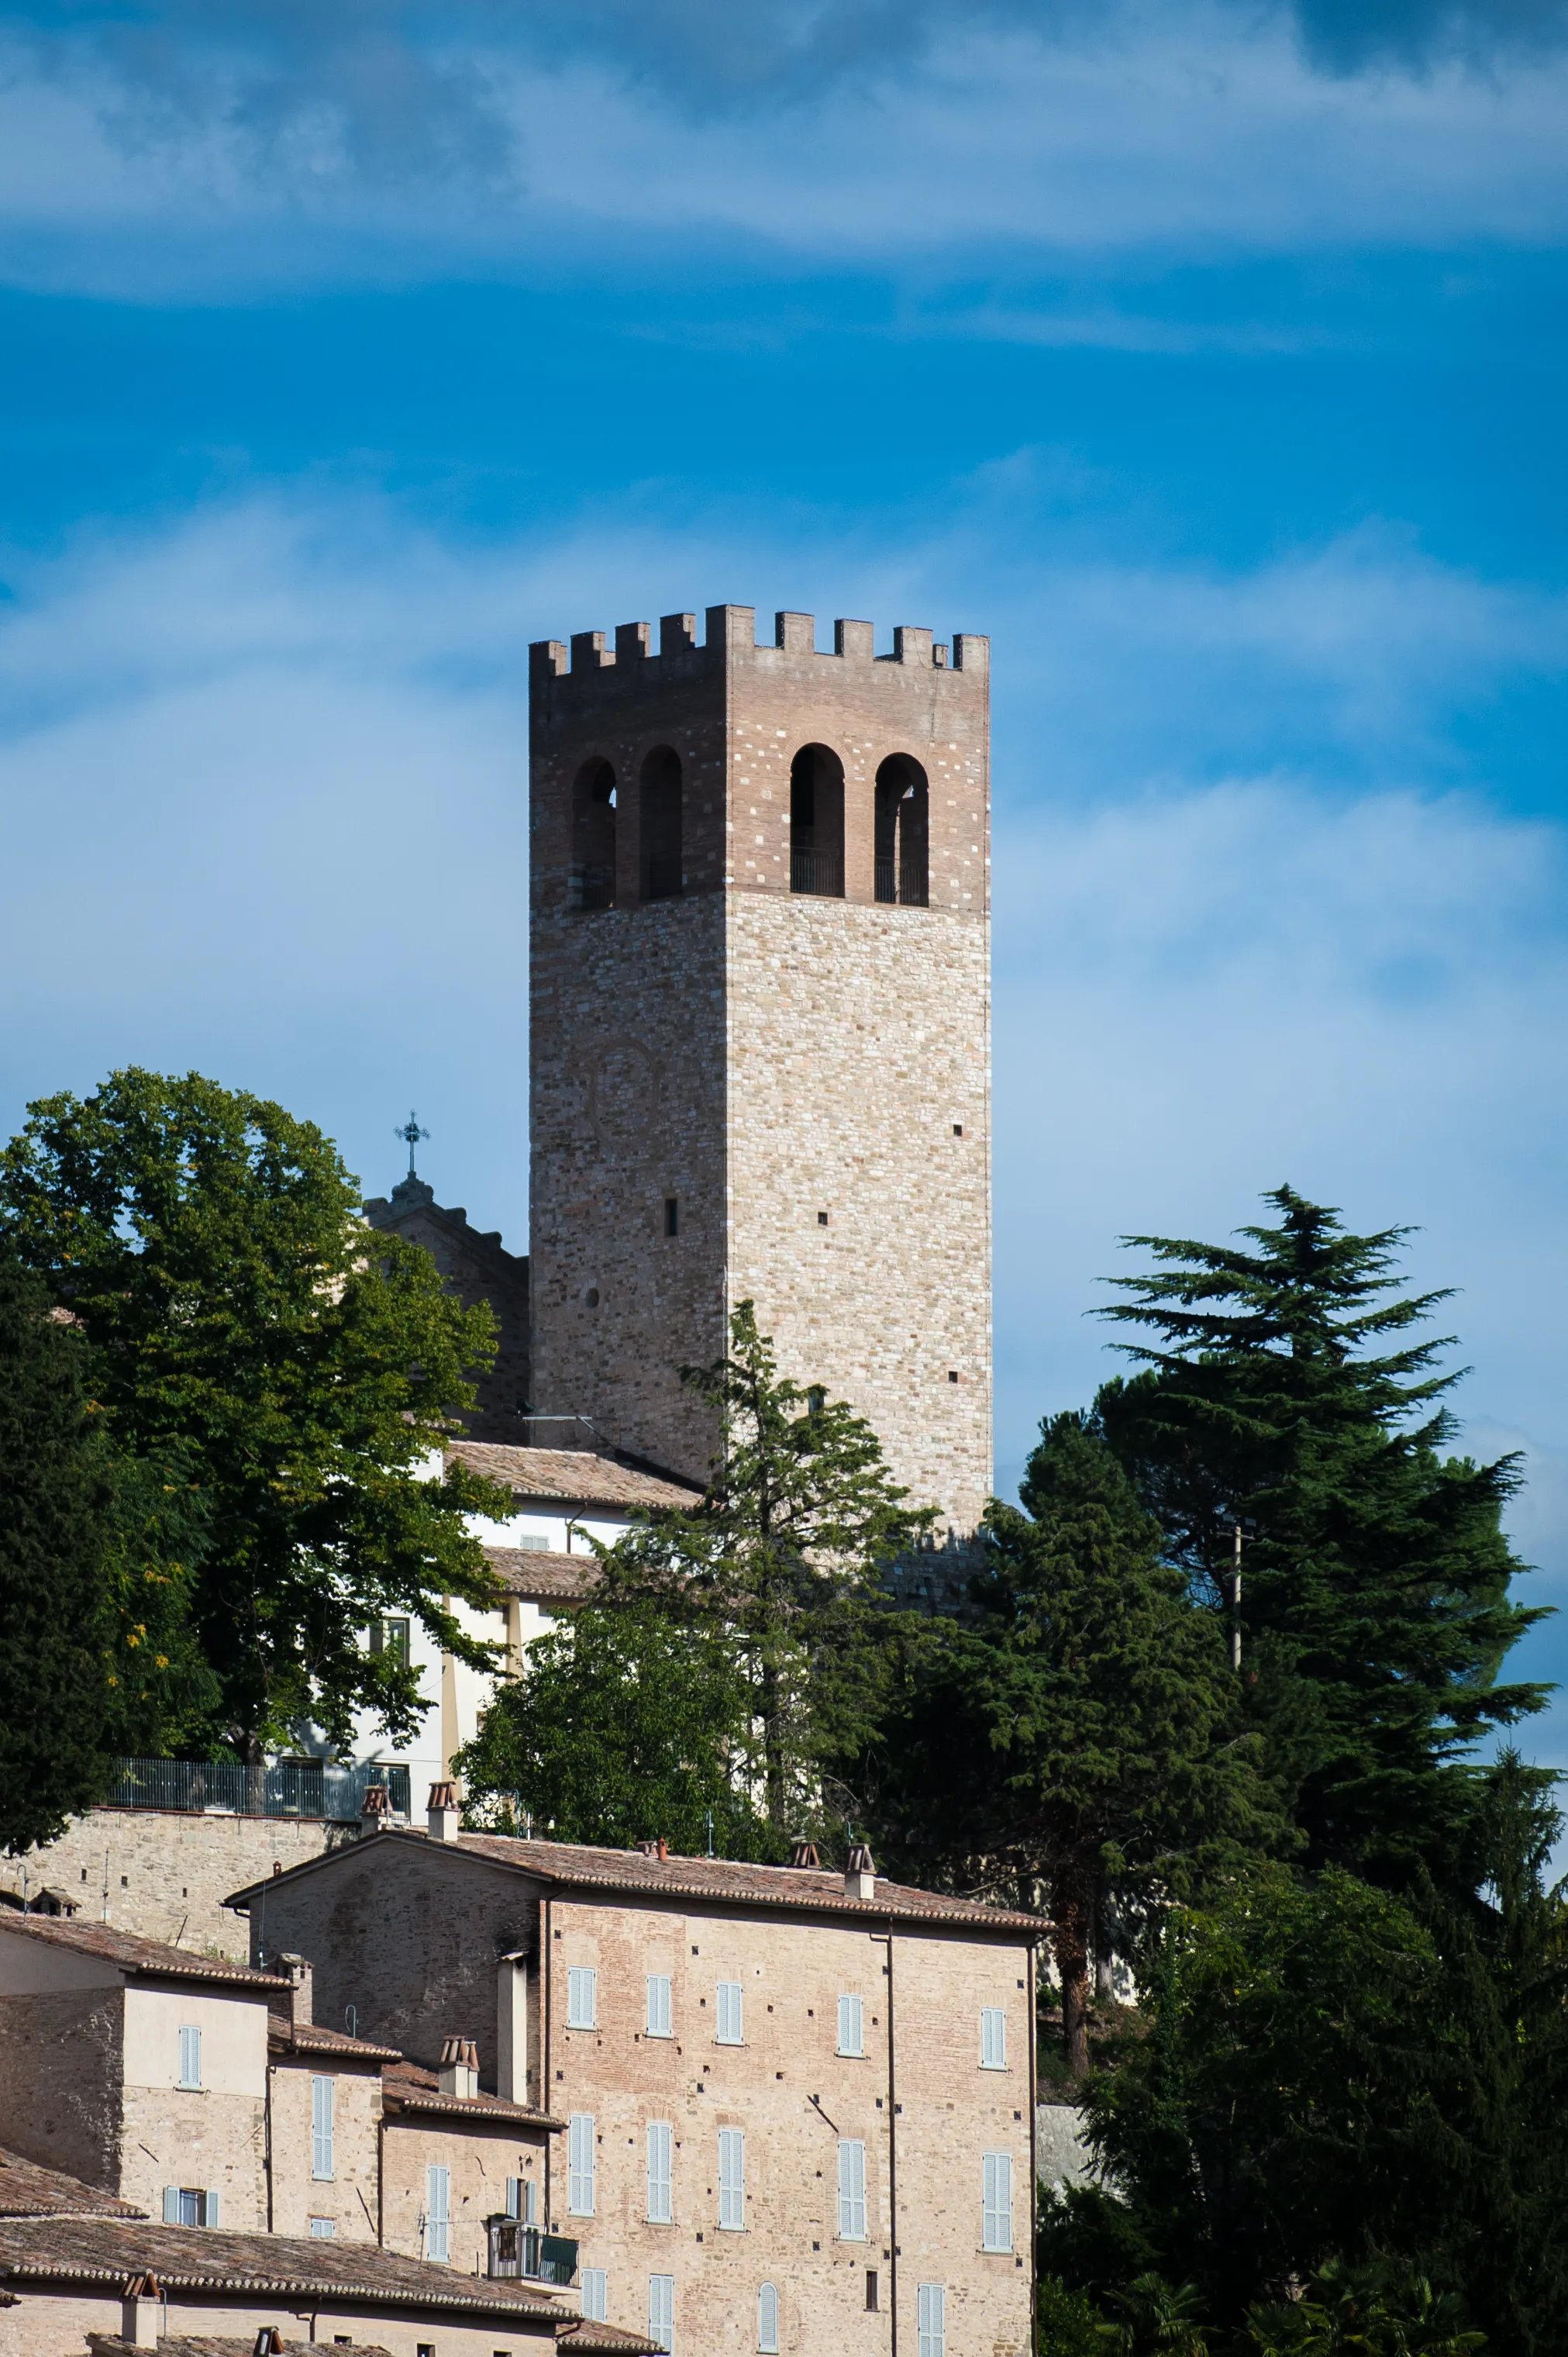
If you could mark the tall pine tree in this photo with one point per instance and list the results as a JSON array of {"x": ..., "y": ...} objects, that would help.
[
  {"x": 1283, "y": 1393},
  {"x": 55, "y": 1508}
]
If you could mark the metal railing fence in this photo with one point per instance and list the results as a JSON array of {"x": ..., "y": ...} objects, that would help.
[{"x": 288, "y": 1787}]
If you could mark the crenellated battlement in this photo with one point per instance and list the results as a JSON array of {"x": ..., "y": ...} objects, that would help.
[{"x": 730, "y": 636}]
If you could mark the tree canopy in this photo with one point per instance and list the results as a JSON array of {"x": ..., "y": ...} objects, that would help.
[{"x": 240, "y": 1327}]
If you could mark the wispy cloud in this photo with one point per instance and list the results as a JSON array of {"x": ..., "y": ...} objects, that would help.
[{"x": 238, "y": 145}]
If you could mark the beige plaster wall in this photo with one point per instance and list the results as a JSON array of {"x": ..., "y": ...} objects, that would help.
[
  {"x": 47, "y": 2324},
  {"x": 213, "y": 2135},
  {"x": 349, "y": 2197}
]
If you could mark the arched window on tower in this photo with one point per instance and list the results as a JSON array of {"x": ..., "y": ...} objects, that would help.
[
  {"x": 661, "y": 828},
  {"x": 903, "y": 831},
  {"x": 816, "y": 822},
  {"x": 591, "y": 881}
]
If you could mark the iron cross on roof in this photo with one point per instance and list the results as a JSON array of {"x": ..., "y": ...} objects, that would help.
[{"x": 411, "y": 1134}]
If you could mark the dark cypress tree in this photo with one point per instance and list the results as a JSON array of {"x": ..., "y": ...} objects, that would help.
[
  {"x": 54, "y": 1507},
  {"x": 1281, "y": 1394}
]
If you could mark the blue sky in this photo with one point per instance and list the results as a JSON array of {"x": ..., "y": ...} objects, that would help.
[{"x": 1210, "y": 357}]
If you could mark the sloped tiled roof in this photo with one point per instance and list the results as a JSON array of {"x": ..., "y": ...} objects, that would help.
[
  {"x": 109, "y": 2344},
  {"x": 131, "y": 1954},
  {"x": 407, "y": 2087},
  {"x": 28, "y": 2190},
  {"x": 282, "y": 2267},
  {"x": 537, "y": 1575},
  {"x": 310, "y": 2037},
  {"x": 576, "y": 1477},
  {"x": 581, "y": 2333}
]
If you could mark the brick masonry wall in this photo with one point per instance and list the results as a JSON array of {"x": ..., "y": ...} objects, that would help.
[
  {"x": 348, "y": 2197},
  {"x": 794, "y": 2096},
  {"x": 166, "y": 1873},
  {"x": 49, "y": 2324},
  {"x": 763, "y": 1056},
  {"x": 60, "y": 2081},
  {"x": 479, "y": 2160}
]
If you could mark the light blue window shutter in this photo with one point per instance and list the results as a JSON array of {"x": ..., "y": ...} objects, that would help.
[
  {"x": 996, "y": 2201},
  {"x": 190, "y": 2057},
  {"x": 767, "y": 2320},
  {"x": 660, "y": 2187},
  {"x": 595, "y": 2295},
  {"x": 658, "y": 2006},
  {"x": 210, "y": 2208},
  {"x": 993, "y": 2038},
  {"x": 323, "y": 2092},
  {"x": 661, "y": 2310},
  {"x": 171, "y": 2205},
  {"x": 582, "y": 1998},
  {"x": 729, "y": 2013},
  {"x": 932, "y": 2320},
  {"x": 438, "y": 2214},
  {"x": 580, "y": 2158},
  {"x": 732, "y": 2179},
  {"x": 514, "y": 2197},
  {"x": 852, "y": 2026},
  {"x": 529, "y": 2202},
  {"x": 852, "y": 2190}
]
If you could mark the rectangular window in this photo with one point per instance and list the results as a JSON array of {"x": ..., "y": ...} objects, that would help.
[
  {"x": 852, "y": 2026},
  {"x": 993, "y": 2038},
  {"x": 580, "y": 2162},
  {"x": 932, "y": 2320},
  {"x": 595, "y": 2295},
  {"x": 661, "y": 2186},
  {"x": 514, "y": 2197},
  {"x": 659, "y": 2009},
  {"x": 390, "y": 1636},
  {"x": 671, "y": 1215},
  {"x": 582, "y": 1998},
  {"x": 996, "y": 2201},
  {"x": 189, "y": 2206},
  {"x": 728, "y": 2033},
  {"x": 732, "y": 2179},
  {"x": 522, "y": 2200},
  {"x": 190, "y": 2058},
  {"x": 322, "y": 2094},
  {"x": 438, "y": 2214},
  {"x": 871, "y": 2291},
  {"x": 661, "y": 2310},
  {"x": 851, "y": 2190},
  {"x": 324, "y": 2229}
]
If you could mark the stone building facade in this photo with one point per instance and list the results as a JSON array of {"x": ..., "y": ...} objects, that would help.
[
  {"x": 794, "y": 2108},
  {"x": 759, "y": 1031},
  {"x": 475, "y": 1267}
]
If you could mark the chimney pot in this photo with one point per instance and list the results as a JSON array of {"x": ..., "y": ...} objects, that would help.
[
  {"x": 459, "y": 2071},
  {"x": 859, "y": 1873},
  {"x": 373, "y": 1808},
  {"x": 804, "y": 1852},
  {"x": 444, "y": 1811}
]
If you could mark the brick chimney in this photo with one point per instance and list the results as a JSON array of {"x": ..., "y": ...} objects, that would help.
[
  {"x": 459, "y": 2072},
  {"x": 139, "y": 2305},
  {"x": 443, "y": 1813},
  {"x": 859, "y": 1874},
  {"x": 296, "y": 2007},
  {"x": 373, "y": 1809}
]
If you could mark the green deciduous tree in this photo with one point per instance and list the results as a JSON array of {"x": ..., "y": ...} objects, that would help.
[
  {"x": 240, "y": 1326},
  {"x": 786, "y": 1555},
  {"x": 622, "y": 1726},
  {"x": 1082, "y": 1733},
  {"x": 1281, "y": 1391},
  {"x": 56, "y": 1507}
]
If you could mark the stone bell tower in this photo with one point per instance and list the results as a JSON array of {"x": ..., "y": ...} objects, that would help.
[{"x": 760, "y": 1031}]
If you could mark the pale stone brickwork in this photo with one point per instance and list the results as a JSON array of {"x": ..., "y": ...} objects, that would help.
[
  {"x": 348, "y": 2197},
  {"x": 166, "y": 1873},
  {"x": 56, "y": 2324},
  {"x": 418, "y": 1930},
  {"x": 212, "y": 2136},
  {"x": 478, "y": 2162},
  {"x": 759, "y": 1056},
  {"x": 475, "y": 1267},
  {"x": 60, "y": 2079}
]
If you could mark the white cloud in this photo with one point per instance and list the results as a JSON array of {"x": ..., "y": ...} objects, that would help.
[{"x": 220, "y": 154}]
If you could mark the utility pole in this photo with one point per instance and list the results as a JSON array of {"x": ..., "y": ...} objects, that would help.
[{"x": 1236, "y": 1601}]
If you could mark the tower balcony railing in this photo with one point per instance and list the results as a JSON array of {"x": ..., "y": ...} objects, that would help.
[
  {"x": 591, "y": 887},
  {"x": 519, "y": 2250},
  {"x": 820, "y": 872},
  {"x": 288, "y": 1787},
  {"x": 903, "y": 882}
]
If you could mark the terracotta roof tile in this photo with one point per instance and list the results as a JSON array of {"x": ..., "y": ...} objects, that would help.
[
  {"x": 581, "y": 2333},
  {"x": 284, "y": 2266},
  {"x": 310, "y": 2037},
  {"x": 28, "y": 2190},
  {"x": 577, "y": 1476},
  {"x": 109, "y": 2344},
  {"x": 408, "y": 2087},
  {"x": 539, "y": 1576},
  {"x": 721, "y": 1879},
  {"x": 131, "y": 1954}
]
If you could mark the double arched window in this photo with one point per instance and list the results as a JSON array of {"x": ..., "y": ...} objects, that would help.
[
  {"x": 592, "y": 882},
  {"x": 660, "y": 828},
  {"x": 903, "y": 831},
  {"x": 816, "y": 822}
]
